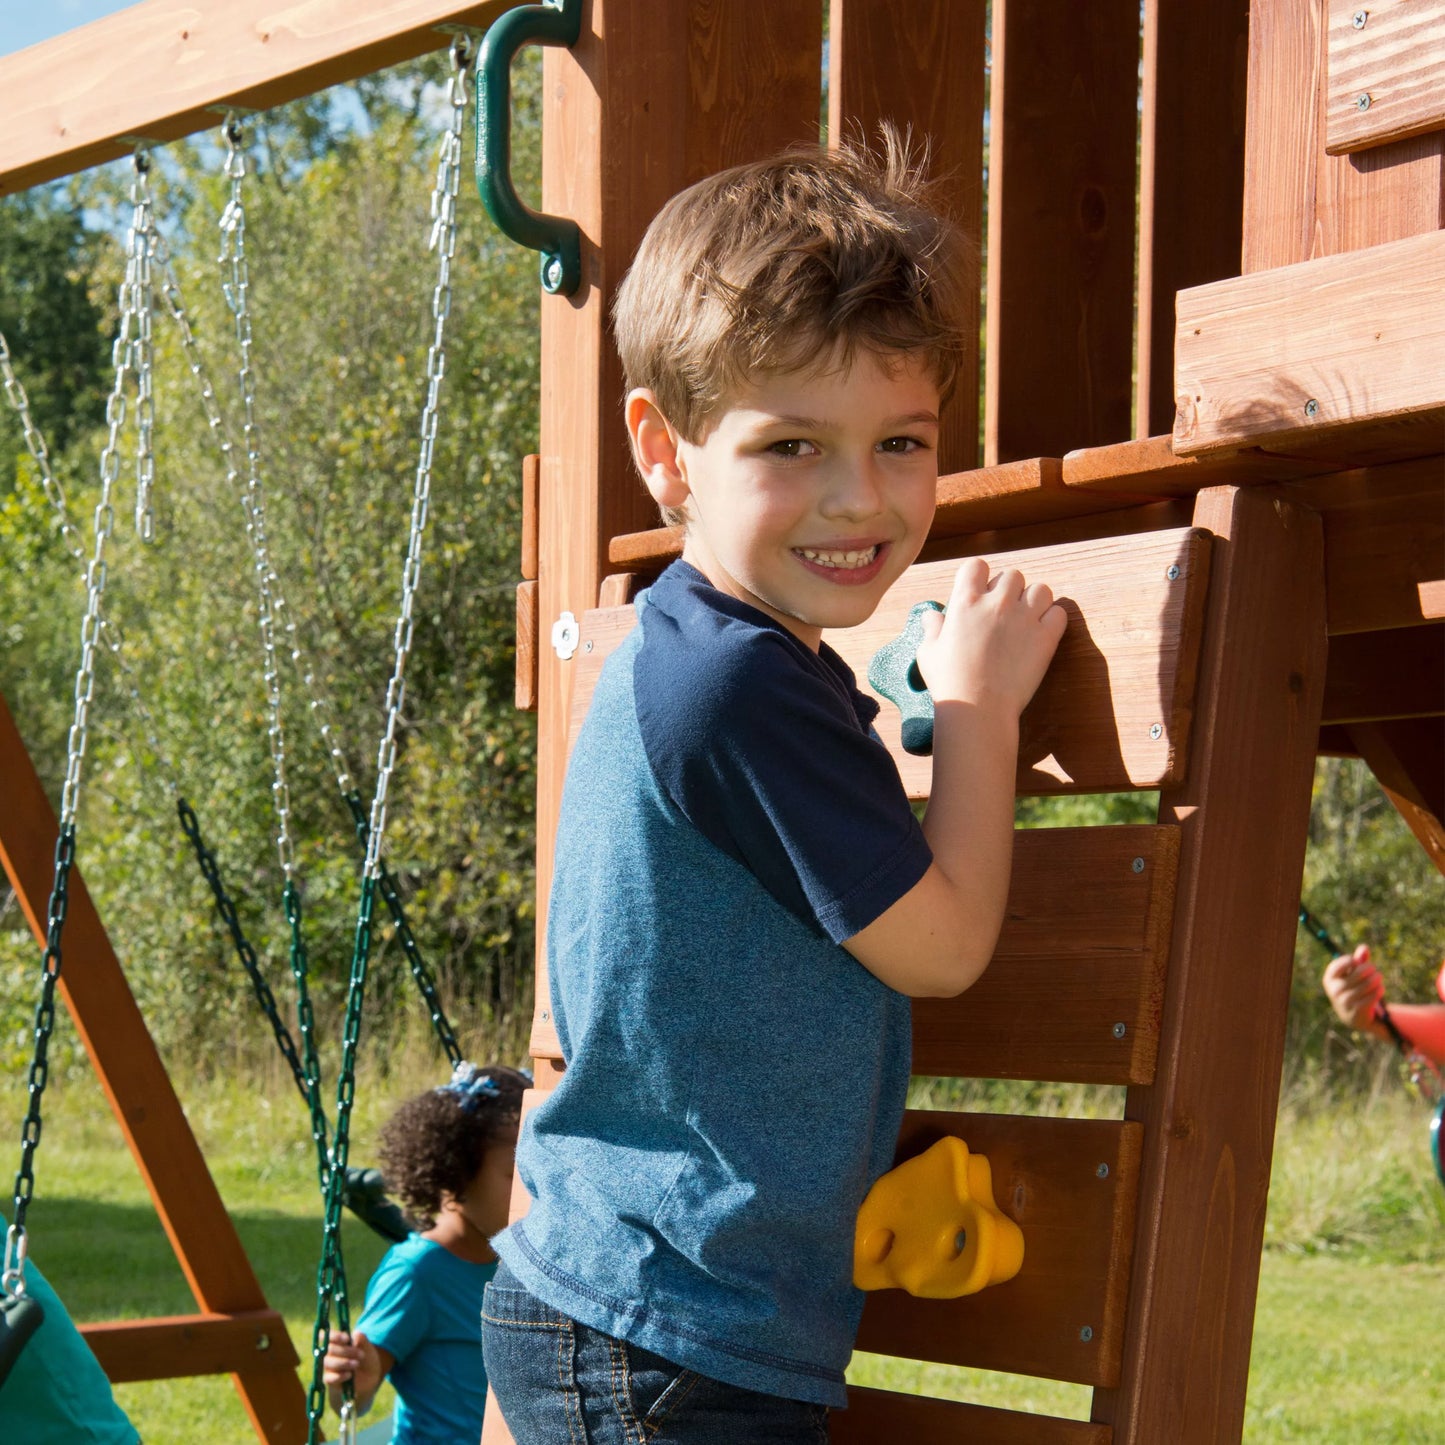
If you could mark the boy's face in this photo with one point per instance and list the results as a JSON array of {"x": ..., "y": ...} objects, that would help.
[{"x": 811, "y": 493}]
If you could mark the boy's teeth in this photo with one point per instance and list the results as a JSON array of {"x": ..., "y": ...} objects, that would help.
[{"x": 840, "y": 559}]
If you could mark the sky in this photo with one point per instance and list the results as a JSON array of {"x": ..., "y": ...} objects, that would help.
[{"x": 25, "y": 22}]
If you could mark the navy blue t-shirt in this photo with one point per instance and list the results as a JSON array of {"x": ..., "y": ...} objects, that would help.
[{"x": 735, "y": 1079}]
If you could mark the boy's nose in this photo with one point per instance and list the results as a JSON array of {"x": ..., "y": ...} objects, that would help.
[{"x": 854, "y": 490}]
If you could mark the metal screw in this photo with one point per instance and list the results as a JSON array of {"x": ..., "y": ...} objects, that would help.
[
  {"x": 587, "y": 646},
  {"x": 1311, "y": 407},
  {"x": 1156, "y": 730},
  {"x": 1137, "y": 865},
  {"x": 545, "y": 1016},
  {"x": 1173, "y": 573},
  {"x": 263, "y": 1342},
  {"x": 552, "y": 274},
  {"x": 1086, "y": 1334},
  {"x": 1120, "y": 1030},
  {"x": 1102, "y": 1171},
  {"x": 1359, "y": 19},
  {"x": 1363, "y": 103}
]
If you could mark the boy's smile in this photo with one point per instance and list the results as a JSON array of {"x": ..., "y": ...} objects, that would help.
[{"x": 811, "y": 492}]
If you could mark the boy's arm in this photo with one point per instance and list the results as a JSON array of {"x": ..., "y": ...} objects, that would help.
[
  {"x": 358, "y": 1360},
  {"x": 983, "y": 662}
]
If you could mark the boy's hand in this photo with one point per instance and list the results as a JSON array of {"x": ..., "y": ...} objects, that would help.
[
  {"x": 995, "y": 641},
  {"x": 1354, "y": 988},
  {"x": 355, "y": 1359}
]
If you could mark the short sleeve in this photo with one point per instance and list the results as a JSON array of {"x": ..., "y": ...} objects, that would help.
[
  {"x": 396, "y": 1313},
  {"x": 759, "y": 743}
]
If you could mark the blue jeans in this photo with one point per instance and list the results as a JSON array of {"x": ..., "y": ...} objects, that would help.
[{"x": 561, "y": 1383}]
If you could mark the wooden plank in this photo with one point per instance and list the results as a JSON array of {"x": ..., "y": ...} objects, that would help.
[
  {"x": 1432, "y": 599},
  {"x": 1384, "y": 72},
  {"x": 1408, "y": 761},
  {"x": 932, "y": 88},
  {"x": 1312, "y": 348},
  {"x": 1209, "y": 1117},
  {"x": 651, "y": 99},
  {"x": 1300, "y": 202},
  {"x": 1384, "y": 536},
  {"x": 1060, "y": 306},
  {"x": 94, "y": 990},
  {"x": 159, "y": 70},
  {"x": 1075, "y": 986},
  {"x": 1149, "y": 469},
  {"x": 1069, "y": 1184},
  {"x": 1191, "y": 176},
  {"x": 1380, "y": 676},
  {"x": 525, "y": 691},
  {"x": 1113, "y": 712},
  {"x": 616, "y": 589},
  {"x": 173, "y": 1346},
  {"x": 531, "y": 471},
  {"x": 874, "y": 1415}
]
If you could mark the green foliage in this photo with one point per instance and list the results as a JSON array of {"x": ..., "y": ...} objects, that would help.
[{"x": 341, "y": 291}]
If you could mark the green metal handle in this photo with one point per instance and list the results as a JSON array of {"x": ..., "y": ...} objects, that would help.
[{"x": 555, "y": 22}]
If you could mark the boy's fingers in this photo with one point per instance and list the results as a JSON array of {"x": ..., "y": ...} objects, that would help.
[
  {"x": 1008, "y": 583},
  {"x": 970, "y": 582}
]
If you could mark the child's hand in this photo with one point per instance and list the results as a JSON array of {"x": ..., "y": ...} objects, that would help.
[
  {"x": 1354, "y": 988},
  {"x": 357, "y": 1360},
  {"x": 995, "y": 641}
]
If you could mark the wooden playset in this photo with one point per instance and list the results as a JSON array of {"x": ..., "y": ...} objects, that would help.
[{"x": 1226, "y": 456}]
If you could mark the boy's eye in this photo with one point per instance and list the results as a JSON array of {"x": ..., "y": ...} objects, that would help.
[
  {"x": 900, "y": 446},
  {"x": 792, "y": 447}
]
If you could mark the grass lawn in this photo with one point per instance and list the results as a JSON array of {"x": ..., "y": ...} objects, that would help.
[{"x": 1345, "y": 1349}]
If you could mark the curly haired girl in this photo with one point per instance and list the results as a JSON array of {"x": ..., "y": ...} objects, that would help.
[{"x": 447, "y": 1154}]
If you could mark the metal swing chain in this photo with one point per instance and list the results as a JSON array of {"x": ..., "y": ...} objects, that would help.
[
  {"x": 331, "y": 1274},
  {"x": 134, "y": 291},
  {"x": 253, "y": 500}
]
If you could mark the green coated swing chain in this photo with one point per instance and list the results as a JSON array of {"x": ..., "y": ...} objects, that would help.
[
  {"x": 134, "y": 295},
  {"x": 331, "y": 1273}
]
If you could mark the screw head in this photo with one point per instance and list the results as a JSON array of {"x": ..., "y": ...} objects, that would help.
[
  {"x": 552, "y": 273},
  {"x": 1102, "y": 1171},
  {"x": 1086, "y": 1334},
  {"x": 1359, "y": 18},
  {"x": 1363, "y": 103},
  {"x": 1156, "y": 730},
  {"x": 1137, "y": 865},
  {"x": 1311, "y": 407},
  {"x": 1173, "y": 572},
  {"x": 1120, "y": 1030}
]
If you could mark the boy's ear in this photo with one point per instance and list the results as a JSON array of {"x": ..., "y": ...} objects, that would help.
[{"x": 654, "y": 449}]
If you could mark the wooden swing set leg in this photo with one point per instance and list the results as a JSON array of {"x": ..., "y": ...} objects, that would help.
[
  {"x": 255, "y": 1350},
  {"x": 1209, "y": 1115}
]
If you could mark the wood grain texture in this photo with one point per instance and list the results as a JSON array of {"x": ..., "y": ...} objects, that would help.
[
  {"x": 1209, "y": 1117},
  {"x": 1394, "y": 62},
  {"x": 1299, "y": 202},
  {"x": 1060, "y": 305},
  {"x": 170, "y": 1347},
  {"x": 879, "y": 1415},
  {"x": 158, "y": 70},
  {"x": 93, "y": 988},
  {"x": 531, "y": 473},
  {"x": 1386, "y": 676},
  {"x": 932, "y": 89},
  {"x": 1408, "y": 761},
  {"x": 525, "y": 687},
  {"x": 1314, "y": 348},
  {"x": 1075, "y": 986},
  {"x": 1069, "y": 1184},
  {"x": 1191, "y": 176}
]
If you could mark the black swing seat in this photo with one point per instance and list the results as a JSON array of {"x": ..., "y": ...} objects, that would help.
[
  {"x": 364, "y": 1194},
  {"x": 20, "y": 1317}
]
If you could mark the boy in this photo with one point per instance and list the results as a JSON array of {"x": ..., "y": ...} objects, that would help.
[{"x": 744, "y": 900}]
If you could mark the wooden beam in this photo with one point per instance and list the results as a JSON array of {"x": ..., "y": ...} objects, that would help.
[
  {"x": 130, "y": 1071},
  {"x": 174, "y": 1346},
  {"x": 1408, "y": 761},
  {"x": 163, "y": 69},
  {"x": 1209, "y": 1117},
  {"x": 931, "y": 86},
  {"x": 1383, "y": 79},
  {"x": 1060, "y": 307},
  {"x": 874, "y": 1415},
  {"x": 1384, "y": 676},
  {"x": 1316, "y": 348},
  {"x": 1191, "y": 176}
]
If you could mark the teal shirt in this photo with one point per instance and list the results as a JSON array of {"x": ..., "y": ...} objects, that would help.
[
  {"x": 56, "y": 1393},
  {"x": 424, "y": 1307}
]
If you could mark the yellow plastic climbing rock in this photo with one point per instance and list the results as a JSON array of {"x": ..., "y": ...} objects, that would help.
[{"x": 930, "y": 1226}]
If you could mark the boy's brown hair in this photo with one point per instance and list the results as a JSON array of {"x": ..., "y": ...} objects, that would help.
[{"x": 775, "y": 264}]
